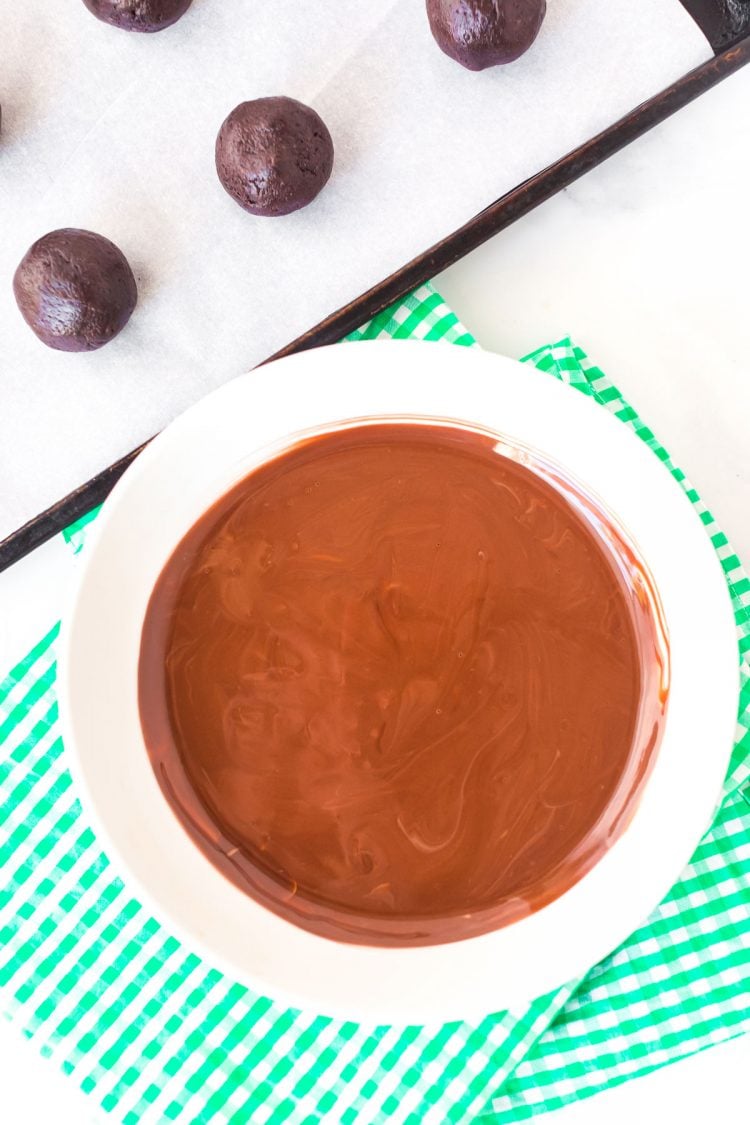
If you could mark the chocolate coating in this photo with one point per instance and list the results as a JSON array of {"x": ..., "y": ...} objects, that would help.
[
  {"x": 138, "y": 15},
  {"x": 75, "y": 290},
  {"x": 483, "y": 33},
  {"x": 274, "y": 155},
  {"x": 398, "y": 688}
]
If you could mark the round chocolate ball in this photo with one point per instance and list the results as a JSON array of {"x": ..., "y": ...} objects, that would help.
[
  {"x": 482, "y": 33},
  {"x": 75, "y": 290},
  {"x": 273, "y": 155},
  {"x": 139, "y": 15}
]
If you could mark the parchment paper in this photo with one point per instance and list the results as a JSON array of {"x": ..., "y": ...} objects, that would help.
[{"x": 115, "y": 132}]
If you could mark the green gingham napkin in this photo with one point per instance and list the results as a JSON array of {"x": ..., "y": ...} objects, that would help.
[{"x": 156, "y": 1034}]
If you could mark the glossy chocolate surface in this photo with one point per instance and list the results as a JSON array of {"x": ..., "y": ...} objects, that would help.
[{"x": 401, "y": 688}]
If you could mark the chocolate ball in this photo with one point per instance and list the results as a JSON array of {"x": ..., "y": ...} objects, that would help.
[
  {"x": 75, "y": 290},
  {"x": 482, "y": 33},
  {"x": 273, "y": 155},
  {"x": 139, "y": 15}
]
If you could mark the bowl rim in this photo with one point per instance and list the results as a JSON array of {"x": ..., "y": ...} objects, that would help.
[{"x": 195, "y": 460}]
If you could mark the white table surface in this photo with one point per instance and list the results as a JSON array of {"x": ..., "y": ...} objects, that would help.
[{"x": 644, "y": 263}]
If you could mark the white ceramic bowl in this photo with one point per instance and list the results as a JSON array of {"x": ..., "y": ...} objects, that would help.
[{"x": 195, "y": 461}]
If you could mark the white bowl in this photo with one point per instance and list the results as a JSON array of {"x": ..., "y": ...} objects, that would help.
[{"x": 194, "y": 462}]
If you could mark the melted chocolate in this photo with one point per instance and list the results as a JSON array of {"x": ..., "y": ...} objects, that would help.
[{"x": 401, "y": 688}]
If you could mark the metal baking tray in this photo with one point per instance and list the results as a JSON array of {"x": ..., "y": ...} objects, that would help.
[{"x": 726, "y": 23}]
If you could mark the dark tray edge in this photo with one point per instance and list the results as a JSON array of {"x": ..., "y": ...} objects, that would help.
[{"x": 493, "y": 219}]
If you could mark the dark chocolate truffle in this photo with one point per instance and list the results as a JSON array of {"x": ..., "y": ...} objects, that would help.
[
  {"x": 273, "y": 155},
  {"x": 75, "y": 290},
  {"x": 139, "y": 15},
  {"x": 482, "y": 33}
]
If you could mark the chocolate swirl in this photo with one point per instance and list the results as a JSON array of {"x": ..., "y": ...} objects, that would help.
[{"x": 398, "y": 687}]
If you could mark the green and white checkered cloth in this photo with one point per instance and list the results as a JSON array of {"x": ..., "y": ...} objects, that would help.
[{"x": 156, "y": 1034}]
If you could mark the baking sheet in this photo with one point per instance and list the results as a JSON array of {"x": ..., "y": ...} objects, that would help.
[{"x": 115, "y": 132}]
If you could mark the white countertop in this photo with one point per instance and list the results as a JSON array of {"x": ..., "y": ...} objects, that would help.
[{"x": 644, "y": 264}]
